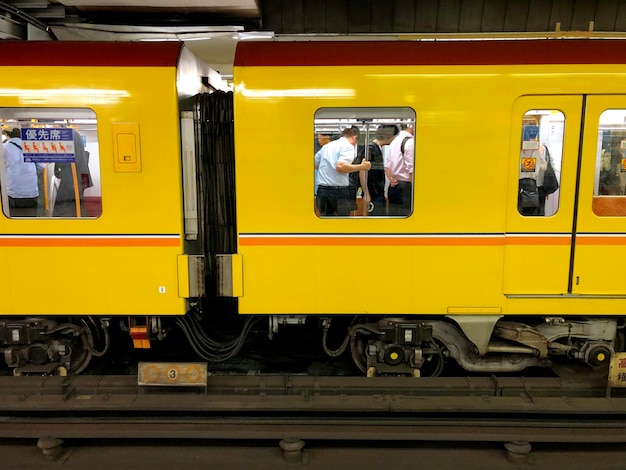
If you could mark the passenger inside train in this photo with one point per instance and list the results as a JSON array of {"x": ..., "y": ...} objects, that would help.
[
  {"x": 21, "y": 177},
  {"x": 612, "y": 171},
  {"x": 399, "y": 170},
  {"x": 610, "y": 179},
  {"x": 372, "y": 184},
  {"x": 334, "y": 162}
]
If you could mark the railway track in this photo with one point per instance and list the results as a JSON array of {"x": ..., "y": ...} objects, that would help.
[{"x": 302, "y": 407}]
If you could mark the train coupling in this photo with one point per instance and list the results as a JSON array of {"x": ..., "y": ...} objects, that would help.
[{"x": 275, "y": 321}]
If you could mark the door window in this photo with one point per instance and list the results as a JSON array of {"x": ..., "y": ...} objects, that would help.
[
  {"x": 609, "y": 196},
  {"x": 51, "y": 163},
  {"x": 541, "y": 150}
]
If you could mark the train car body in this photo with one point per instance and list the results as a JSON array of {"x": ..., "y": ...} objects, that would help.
[
  {"x": 122, "y": 257},
  {"x": 465, "y": 248},
  {"x": 466, "y": 251},
  {"x": 470, "y": 271},
  {"x": 119, "y": 251}
]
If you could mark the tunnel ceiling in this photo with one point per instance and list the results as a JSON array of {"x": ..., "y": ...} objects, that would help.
[{"x": 22, "y": 18}]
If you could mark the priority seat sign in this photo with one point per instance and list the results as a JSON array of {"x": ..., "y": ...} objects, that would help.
[{"x": 42, "y": 145}]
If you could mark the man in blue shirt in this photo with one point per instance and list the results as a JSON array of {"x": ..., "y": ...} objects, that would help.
[
  {"x": 21, "y": 178},
  {"x": 334, "y": 162}
]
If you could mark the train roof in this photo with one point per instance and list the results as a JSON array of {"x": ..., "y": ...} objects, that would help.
[
  {"x": 79, "y": 53},
  {"x": 468, "y": 52}
]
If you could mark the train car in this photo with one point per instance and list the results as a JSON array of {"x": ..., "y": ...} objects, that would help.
[
  {"x": 504, "y": 253},
  {"x": 469, "y": 272},
  {"x": 102, "y": 125}
]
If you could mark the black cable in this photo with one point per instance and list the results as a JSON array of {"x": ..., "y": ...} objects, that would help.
[
  {"x": 209, "y": 349},
  {"x": 26, "y": 17},
  {"x": 440, "y": 360}
]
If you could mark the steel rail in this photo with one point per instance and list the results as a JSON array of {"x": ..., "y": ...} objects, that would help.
[
  {"x": 365, "y": 428},
  {"x": 326, "y": 408}
]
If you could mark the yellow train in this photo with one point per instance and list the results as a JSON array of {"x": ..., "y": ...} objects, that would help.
[{"x": 155, "y": 220}]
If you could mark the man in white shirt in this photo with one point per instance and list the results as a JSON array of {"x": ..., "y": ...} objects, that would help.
[{"x": 399, "y": 171}]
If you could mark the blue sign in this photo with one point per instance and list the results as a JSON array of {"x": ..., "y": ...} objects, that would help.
[{"x": 53, "y": 144}]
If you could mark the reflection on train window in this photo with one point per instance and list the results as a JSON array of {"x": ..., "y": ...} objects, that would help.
[
  {"x": 363, "y": 162},
  {"x": 610, "y": 175},
  {"x": 540, "y": 155},
  {"x": 51, "y": 163}
]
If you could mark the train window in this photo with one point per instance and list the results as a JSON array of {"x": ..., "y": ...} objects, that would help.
[
  {"x": 540, "y": 156},
  {"x": 51, "y": 163},
  {"x": 610, "y": 175},
  {"x": 363, "y": 159}
]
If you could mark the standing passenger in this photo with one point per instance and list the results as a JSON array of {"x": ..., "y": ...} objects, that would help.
[
  {"x": 614, "y": 183},
  {"x": 399, "y": 170},
  {"x": 334, "y": 162},
  {"x": 322, "y": 139},
  {"x": 353, "y": 185},
  {"x": 373, "y": 182},
  {"x": 21, "y": 178}
]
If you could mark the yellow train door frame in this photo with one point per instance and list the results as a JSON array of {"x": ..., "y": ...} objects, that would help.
[
  {"x": 538, "y": 249},
  {"x": 599, "y": 250},
  {"x": 575, "y": 251}
]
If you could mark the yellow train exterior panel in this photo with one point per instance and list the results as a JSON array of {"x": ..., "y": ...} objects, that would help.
[
  {"x": 124, "y": 262},
  {"x": 463, "y": 181}
]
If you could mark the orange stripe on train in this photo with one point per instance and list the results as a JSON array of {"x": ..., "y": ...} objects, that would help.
[
  {"x": 600, "y": 240},
  {"x": 538, "y": 240},
  {"x": 88, "y": 242},
  {"x": 369, "y": 241},
  {"x": 450, "y": 240}
]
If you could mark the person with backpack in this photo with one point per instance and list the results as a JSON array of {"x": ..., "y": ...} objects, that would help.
[
  {"x": 372, "y": 182},
  {"x": 399, "y": 171}
]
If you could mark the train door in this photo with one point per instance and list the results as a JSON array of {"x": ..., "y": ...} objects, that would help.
[
  {"x": 599, "y": 243},
  {"x": 539, "y": 234},
  {"x": 574, "y": 244}
]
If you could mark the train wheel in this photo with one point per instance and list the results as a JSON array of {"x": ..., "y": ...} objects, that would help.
[{"x": 358, "y": 347}]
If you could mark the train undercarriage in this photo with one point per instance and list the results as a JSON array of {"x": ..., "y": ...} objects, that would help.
[
  {"x": 377, "y": 346},
  {"x": 488, "y": 345},
  {"x": 46, "y": 346}
]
